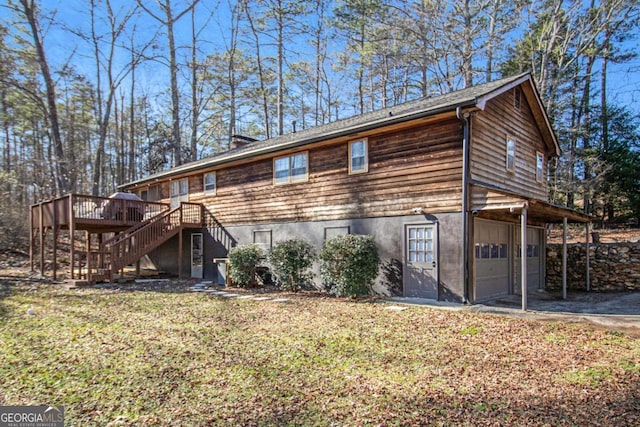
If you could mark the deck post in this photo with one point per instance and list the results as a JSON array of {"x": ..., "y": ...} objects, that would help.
[
  {"x": 54, "y": 228},
  {"x": 523, "y": 257},
  {"x": 88, "y": 259},
  {"x": 41, "y": 240},
  {"x": 180, "y": 250},
  {"x": 31, "y": 238},
  {"x": 564, "y": 258},
  {"x": 72, "y": 229},
  {"x": 587, "y": 257}
]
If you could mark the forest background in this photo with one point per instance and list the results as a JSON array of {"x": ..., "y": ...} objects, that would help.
[{"x": 96, "y": 93}]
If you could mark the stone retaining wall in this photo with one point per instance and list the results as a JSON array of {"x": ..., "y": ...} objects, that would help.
[{"x": 613, "y": 266}]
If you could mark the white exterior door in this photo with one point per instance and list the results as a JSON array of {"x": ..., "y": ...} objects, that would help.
[
  {"x": 197, "y": 255},
  {"x": 420, "y": 267}
]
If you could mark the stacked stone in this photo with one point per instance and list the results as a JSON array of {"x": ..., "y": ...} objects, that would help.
[{"x": 614, "y": 267}]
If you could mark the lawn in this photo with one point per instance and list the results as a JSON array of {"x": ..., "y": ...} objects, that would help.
[{"x": 165, "y": 356}]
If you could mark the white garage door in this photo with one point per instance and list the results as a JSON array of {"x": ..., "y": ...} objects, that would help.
[
  {"x": 534, "y": 261},
  {"x": 491, "y": 249}
]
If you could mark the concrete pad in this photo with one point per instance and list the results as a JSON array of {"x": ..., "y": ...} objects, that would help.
[
  {"x": 262, "y": 298},
  {"x": 246, "y": 297},
  {"x": 280, "y": 300}
]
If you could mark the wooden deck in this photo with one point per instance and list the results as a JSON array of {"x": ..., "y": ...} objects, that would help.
[
  {"x": 138, "y": 227},
  {"x": 93, "y": 213}
]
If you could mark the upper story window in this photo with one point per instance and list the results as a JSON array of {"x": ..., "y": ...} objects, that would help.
[
  {"x": 289, "y": 169},
  {"x": 179, "y": 191},
  {"x": 358, "y": 156},
  {"x": 517, "y": 97},
  {"x": 511, "y": 154},
  {"x": 539, "y": 166},
  {"x": 210, "y": 183},
  {"x": 150, "y": 194}
]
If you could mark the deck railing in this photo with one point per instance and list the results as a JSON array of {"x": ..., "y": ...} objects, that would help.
[{"x": 93, "y": 210}]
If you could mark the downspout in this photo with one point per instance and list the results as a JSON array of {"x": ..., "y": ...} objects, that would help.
[{"x": 465, "y": 204}]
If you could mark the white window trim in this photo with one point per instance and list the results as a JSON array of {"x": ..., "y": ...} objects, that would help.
[
  {"x": 366, "y": 157},
  {"x": 515, "y": 148},
  {"x": 180, "y": 197},
  {"x": 539, "y": 176},
  {"x": 215, "y": 183},
  {"x": 290, "y": 179}
]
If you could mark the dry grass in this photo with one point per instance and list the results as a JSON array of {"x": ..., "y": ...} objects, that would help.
[{"x": 161, "y": 356}]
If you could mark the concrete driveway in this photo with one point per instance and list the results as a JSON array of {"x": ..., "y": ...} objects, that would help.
[{"x": 612, "y": 310}]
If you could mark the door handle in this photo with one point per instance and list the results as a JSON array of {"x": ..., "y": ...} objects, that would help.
[{"x": 433, "y": 264}]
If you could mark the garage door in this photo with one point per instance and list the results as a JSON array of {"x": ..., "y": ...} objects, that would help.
[
  {"x": 534, "y": 261},
  {"x": 491, "y": 249}
]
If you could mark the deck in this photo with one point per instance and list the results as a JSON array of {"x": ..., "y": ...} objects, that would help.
[
  {"x": 132, "y": 229},
  {"x": 102, "y": 214}
]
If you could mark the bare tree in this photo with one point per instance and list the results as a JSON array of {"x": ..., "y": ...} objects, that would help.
[{"x": 169, "y": 20}]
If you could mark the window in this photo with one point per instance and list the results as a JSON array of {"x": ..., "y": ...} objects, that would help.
[
  {"x": 491, "y": 251},
  {"x": 290, "y": 169},
  {"x": 539, "y": 166},
  {"x": 151, "y": 194},
  {"x": 517, "y": 97},
  {"x": 331, "y": 232},
  {"x": 179, "y": 192},
  {"x": 420, "y": 244},
  {"x": 511, "y": 154},
  {"x": 210, "y": 183},
  {"x": 358, "y": 158},
  {"x": 262, "y": 238}
]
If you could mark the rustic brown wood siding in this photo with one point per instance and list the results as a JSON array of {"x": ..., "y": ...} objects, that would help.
[
  {"x": 419, "y": 167},
  {"x": 489, "y": 132}
]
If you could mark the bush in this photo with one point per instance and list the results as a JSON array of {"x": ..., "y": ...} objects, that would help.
[
  {"x": 243, "y": 260},
  {"x": 349, "y": 264},
  {"x": 290, "y": 262}
]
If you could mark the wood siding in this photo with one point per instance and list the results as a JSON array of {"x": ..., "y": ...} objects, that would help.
[
  {"x": 419, "y": 167},
  {"x": 489, "y": 132}
]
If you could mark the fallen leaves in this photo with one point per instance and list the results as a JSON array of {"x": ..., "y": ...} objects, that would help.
[{"x": 160, "y": 356}]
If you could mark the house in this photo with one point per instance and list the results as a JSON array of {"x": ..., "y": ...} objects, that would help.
[{"x": 453, "y": 188}]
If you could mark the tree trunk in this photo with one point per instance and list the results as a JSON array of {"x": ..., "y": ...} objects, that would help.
[{"x": 62, "y": 174}]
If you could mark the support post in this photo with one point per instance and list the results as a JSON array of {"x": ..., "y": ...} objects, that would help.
[
  {"x": 523, "y": 256},
  {"x": 41, "y": 240},
  {"x": 564, "y": 258},
  {"x": 180, "y": 249},
  {"x": 54, "y": 228},
  {"x": 31, "y": 238},
  {"x": 587, "y": 258},
  {"x": 72, "y": 230},
  {"x": 88, "y": 260}
]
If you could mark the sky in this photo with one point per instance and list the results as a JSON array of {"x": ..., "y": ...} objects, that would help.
[{"x": 624, "y": 79}]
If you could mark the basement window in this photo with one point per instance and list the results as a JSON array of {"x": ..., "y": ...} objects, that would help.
[{"x": 290, "y": 169}]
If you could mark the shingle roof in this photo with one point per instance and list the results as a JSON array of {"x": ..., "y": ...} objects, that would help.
[{"x": 423, "y": 107}]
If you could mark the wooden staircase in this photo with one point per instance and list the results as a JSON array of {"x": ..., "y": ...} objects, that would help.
[{"x": 129, "y": 246}]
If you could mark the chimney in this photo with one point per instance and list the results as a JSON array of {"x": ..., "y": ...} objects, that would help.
[{"x": 238, "y": 141}]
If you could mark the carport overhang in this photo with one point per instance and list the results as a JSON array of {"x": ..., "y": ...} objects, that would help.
[{"x": 537, "y": 212}]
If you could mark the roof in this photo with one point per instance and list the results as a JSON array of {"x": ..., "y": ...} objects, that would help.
[{"x": 473, "y": 97}]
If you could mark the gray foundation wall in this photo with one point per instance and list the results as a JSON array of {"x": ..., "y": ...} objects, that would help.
[{"x": 387, "y": 232}]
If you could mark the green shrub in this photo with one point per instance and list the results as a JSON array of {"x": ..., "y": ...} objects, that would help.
[
  {"x": 349, "y": 264},
  {"x": 243, "y": 260},
  {"x": 291, "y": 261}
]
